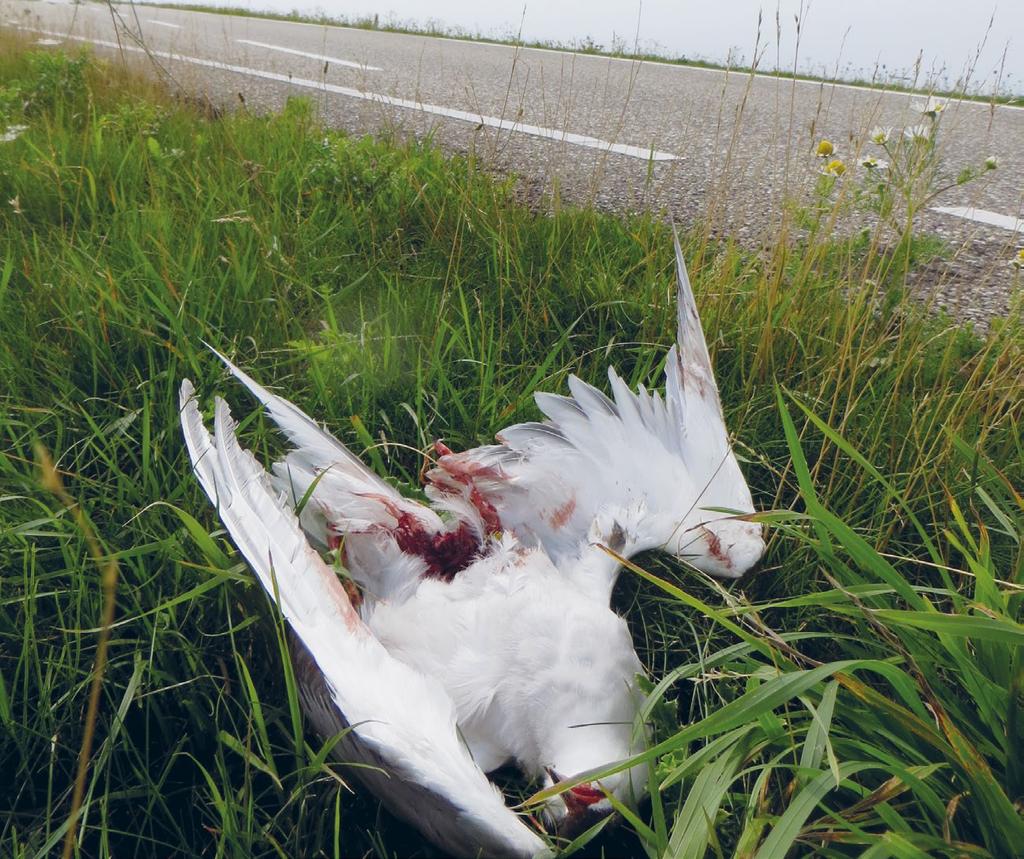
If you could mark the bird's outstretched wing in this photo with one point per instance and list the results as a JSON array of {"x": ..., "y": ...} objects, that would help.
[
  {"x": 347, "y": 497},
  {"x": 402, "y": 722},
  {"x": 549, "y": 479}
]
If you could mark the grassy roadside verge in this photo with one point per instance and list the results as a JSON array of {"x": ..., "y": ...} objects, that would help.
[
  {"x": 872, "y": 668},
  {"x": 586, "y": 48}
]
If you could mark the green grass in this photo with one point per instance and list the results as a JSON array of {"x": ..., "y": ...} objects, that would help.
[
  {"x": 587, "y": 47},
  {"x": 860, "y": 695}
]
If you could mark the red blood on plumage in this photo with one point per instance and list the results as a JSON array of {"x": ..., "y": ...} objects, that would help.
[
  {"x": 488, "y": 512},
  {"x": 462, "y": 468},
  {"x": 465, "y": 471},
  {"x": 715, "y": 546},
  {"x": 445, "y": 553},
  {"x": 560, "y": 517}
]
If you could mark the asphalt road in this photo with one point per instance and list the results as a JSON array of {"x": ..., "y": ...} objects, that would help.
[{"x": 705, "y": 146}]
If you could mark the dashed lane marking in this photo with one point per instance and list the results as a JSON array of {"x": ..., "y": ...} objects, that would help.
[
  {"x": 983, "y": 216},
  {"x": 334, "y": 61},
  {"x": 642, "y": 152}
]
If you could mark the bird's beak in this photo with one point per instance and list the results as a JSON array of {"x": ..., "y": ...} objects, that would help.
[{"x": 584, "y": 808}]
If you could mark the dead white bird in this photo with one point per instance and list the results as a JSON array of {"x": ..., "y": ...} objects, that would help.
[{"x": 511, "y": 638}]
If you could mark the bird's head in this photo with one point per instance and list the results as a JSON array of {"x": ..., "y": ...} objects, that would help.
[
  {"x": 587, "y": 748},
  {"x": 579, "y": 807}
]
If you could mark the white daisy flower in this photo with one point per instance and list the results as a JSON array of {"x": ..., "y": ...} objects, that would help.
[
  {"x": 930, "y": 108},
  {"x": 917, "y": 132},
  {"x": 872, "y": 163},
  {"x": 991, "y": 163},
  {"x": 880, "y": 135}
]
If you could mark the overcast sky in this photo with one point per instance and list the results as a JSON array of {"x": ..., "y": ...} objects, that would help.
[{"x": 857, "y": 36}]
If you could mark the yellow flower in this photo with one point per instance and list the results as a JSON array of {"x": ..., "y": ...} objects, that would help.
[
  {"x": 1018, "y": 260},
  {"x": 825, "y": 149},
  {"x": 835, "y": 167}
]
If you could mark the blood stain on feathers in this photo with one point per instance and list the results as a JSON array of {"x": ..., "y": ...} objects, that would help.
[{"x": 561, "y": 516}]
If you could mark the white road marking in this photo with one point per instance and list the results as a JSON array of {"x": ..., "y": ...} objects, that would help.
[
  {"x": 909, "y": 94},
  {"x": 644, "y": 153},
  {"x": 983, "y": 216},
  {"x": 334, "y": 61},
  {"x": 163, "y": 24}
]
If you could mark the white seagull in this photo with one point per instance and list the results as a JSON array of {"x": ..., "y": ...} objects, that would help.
[{"x": 483, "y": 634}]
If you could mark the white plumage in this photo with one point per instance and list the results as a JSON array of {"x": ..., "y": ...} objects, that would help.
[
  {"x": 550, "y": 479},
  {"x": 484, "y": 634}
]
